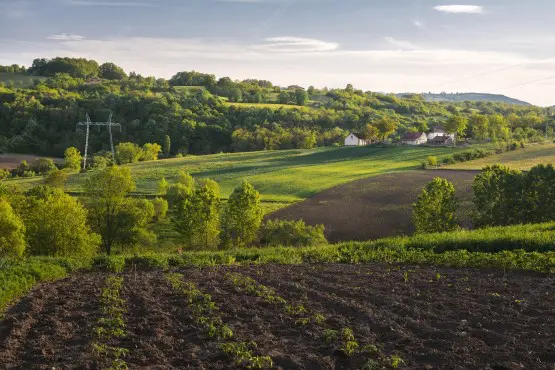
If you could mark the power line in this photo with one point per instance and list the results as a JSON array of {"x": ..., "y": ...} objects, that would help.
[
  {"x": 88, "y": 123},
  {"x": 523, "y": 83}
]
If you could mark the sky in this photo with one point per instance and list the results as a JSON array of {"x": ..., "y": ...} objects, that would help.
[{"x": 490, "y": 46}]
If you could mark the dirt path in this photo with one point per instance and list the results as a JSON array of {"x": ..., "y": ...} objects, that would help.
[{"x": 376, "y": 207}]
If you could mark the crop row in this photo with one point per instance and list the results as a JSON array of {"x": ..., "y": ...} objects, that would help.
[
  {"x": 110, "y": 326},
  {"x": 343, "y": 340},
  {"x": 207, "y": 314}
]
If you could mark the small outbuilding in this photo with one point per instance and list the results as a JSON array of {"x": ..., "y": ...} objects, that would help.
[
  {"x": 357, "y": 139},
  {"x": 441, "y": 141},
  {"x": 414, "y": 138},
  {"x": 439, "y": 131}
]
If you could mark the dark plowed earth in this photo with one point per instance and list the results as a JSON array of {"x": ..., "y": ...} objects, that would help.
[
  {"x": 52, "y": 326},
  {"x": 432, "y": 318},
  {"x": 375, "y": 207}
]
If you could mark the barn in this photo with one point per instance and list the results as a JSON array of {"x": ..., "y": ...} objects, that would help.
[{"x": 357, "y": 139}]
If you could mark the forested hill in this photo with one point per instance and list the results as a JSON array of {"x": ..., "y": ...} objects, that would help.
[
  {"x": 40, "y": 106},
  {"x": 461, "y": 97}
]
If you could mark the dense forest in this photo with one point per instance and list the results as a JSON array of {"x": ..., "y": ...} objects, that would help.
[{"x": 202, "y": 114}]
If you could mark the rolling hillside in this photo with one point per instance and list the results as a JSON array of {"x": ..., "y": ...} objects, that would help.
[
  {"x": 473, "y": 97},
  {"x": 280, "y": 176},
  {"x": 523, "y": 159}
]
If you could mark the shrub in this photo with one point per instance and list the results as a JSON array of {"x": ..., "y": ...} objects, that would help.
[
  {"x": 431, "y": 161},
  {"x": 45, "y": 165},
  {"x": 4, "y": 174},
  {"x": 163, "y": 186},
  {"x": 72, "y": 159},
  {"x": 128, "y": 153},
  {"x": 435, "y": 209},
  {"x": 12, "y": 232},
  {"x": 185, "y": 179},
  {"x": 150, "y": 152},
  {"x": 291, "y": 233},
  {"x": 56, "y": 178},
  {"x": 160, "y": 208}
]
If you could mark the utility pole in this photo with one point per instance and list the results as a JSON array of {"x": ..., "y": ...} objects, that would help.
[{"x": 88, "y": 124}]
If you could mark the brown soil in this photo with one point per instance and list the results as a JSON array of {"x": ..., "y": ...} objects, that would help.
[
  {"x": 375, "y": 207},
  {"x": 435, "y": 318}
]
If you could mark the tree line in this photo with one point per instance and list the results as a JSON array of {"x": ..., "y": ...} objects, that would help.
[
  {"x": 191, "y": 109},
  {"x": 502, "y": 197}
]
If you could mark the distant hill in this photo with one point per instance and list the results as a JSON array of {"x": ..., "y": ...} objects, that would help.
[{"x": 461, "y": 97}]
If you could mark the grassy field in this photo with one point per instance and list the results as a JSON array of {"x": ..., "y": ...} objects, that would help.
[
  {"x": 523, "y": 159},
  {"x": 280, "y": 176},
  {"x": 18, "y": 80}
]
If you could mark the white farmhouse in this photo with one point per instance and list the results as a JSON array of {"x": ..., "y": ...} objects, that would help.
[
  {"x": 438, "y": 131},
  {"x": 355, "y": 139},
  {"x": 414, "y": 138}
]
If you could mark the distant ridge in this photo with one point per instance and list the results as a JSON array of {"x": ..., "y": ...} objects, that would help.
[{"x": 461, "y": 97}]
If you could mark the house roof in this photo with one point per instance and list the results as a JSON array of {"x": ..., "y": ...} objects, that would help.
[
  {"x": 441, "y": 139},
  {"x": 411, "y": 136}
]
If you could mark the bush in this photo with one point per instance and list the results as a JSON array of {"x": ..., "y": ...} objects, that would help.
[
  {"x": 128, "y": 153},
  {"x": 56, "y": 178},
  {"x": 12, "y": 232},
  {"x": 4, "y": 174},
  {"x": 45, "y": 165},
  {"x": 431, "y": 161},
  {"x": 291, "y": 233},
  {"x": 160, "y": 208},
  {"x": 435, "y": 209}
]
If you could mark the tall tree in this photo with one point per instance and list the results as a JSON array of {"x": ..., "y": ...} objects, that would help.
[
  {"x": 12, "y": 232},
  {"x": 456, "y": 124},
  {"x": 301, "y": 96},
  {"x": 73, "y": 159},
  {"x": 479, "y": 124},
  {"x": 167, "y": 146},
  {"x": 106, "y": 193},
  {"x": 435, "y": 209},
  {"x": 386, "y": 126},
  {"x": 242, "y": 216}
]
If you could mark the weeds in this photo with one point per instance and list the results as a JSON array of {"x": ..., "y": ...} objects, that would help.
[
  {"x": 207, "y": 314},
  {"x": 110, "y": 326}
]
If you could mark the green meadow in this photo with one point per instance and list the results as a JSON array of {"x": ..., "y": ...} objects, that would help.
[
  {"x": 522, "y": 159},
  {"x": 281, "y": 176}
]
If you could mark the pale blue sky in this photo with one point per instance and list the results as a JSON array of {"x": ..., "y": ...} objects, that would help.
[{"x": 498, "y": 46}]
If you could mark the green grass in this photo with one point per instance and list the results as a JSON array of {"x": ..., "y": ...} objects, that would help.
[
  {"x": 18, "y": 80},
  {"x": 522, "y": 159},
  {"x": 280, "y": 176}
]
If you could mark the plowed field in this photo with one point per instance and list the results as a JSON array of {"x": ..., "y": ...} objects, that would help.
[{"x": 436, "y": 318}]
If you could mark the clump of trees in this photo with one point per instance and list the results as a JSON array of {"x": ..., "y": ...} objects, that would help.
[
  {"x": 277, "y": 233},
  {"x": 502, "y": 197},
  {"x": 435, "y": 208}
]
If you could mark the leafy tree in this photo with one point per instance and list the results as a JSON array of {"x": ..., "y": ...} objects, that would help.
[
  {"x": 456, "y": 124},
  {"x": 167, "y": 146},
  {"x": 45, "y": 165},
  {"x": 161, "y": 207},
  {"x": 301, "y": 96},
  {"x": 498, "y": 196},
  {"x": 106, "y": 193},
  {"x": 480, "y": 126},
  {"x": 128, "y": 153},
  {"x": 150, "y": 152},
  {"x": 207, "y": 204},
  {"x": 278, "y": 233},
  {"x": 435, "y": 208},
  {"x": 57, "y": 226},
  {"x": 211, "y": 184},
  {"x": 110, "y": 71},
  {"x": 56, "y": 178},
  {"x": 4, "y": 174},
  {"x": 73, "y": 159},
  {"x": 370, "y": 132},
  {"x": 163, "y": 186},
  {"x": 386, "y": 126},
  {"x": 539, "y": 194},
  {"x": 498, "y": 127},
  {"x": 186, "y": 179},
  {"x": 12, "y": 232},
  {"x": 242, "y": 216},
  {"x": 177, "y": 194}
]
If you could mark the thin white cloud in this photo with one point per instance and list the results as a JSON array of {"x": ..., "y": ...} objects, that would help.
[
  {"x": 112, "y": 3},
  {"x": 401, "y": 44},
  {"x": 418, "y": 23},
  {"x": 66, "y": 37},
  {"x": 290, "y": 44},
  {"x": 460, "y": 9}
]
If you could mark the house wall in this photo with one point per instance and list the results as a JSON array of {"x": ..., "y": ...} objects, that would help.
[
  {"x": 432, "y": 135},
  {"x": 352, "y": 140}
]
